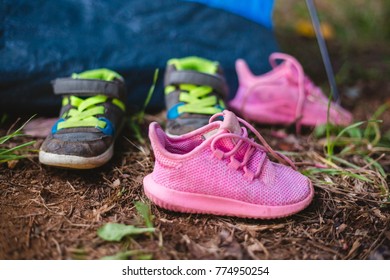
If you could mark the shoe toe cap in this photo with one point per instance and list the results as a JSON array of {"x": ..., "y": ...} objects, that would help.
[
  {"x": 291, "y": 187},
  {"x": 84, "y": 144}
]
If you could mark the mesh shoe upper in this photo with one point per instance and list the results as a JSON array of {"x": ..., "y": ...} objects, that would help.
[
  {"x": 220, "y": 160},
  {"x": 284, "y": 96}
]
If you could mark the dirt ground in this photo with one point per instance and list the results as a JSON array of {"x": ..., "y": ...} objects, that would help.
[{"x": 48, "y": 213}]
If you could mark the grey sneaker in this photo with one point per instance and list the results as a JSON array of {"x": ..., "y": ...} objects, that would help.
[
  {"x": 92, "y": 113},
  {"x": 195, "y": 89}
]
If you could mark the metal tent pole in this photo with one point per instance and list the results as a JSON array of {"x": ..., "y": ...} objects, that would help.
[{"x": 324, "y": 51}]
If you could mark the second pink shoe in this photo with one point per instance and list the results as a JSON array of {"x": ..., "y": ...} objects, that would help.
[
  {"x": 218, "y": 169},
  {"x": 284, "y": 96}
]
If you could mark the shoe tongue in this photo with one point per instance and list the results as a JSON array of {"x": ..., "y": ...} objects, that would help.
[{"x": 230, "y": 123}]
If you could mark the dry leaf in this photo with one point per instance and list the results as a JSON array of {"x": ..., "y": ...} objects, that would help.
[
  {"x": 379, "y": 214},
  {"x": 116, "y": 183},
  {"x": 12, "y": 163},
  {"x": 341, "y": 228}
]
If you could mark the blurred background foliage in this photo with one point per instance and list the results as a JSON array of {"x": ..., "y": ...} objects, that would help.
[
  {"x": 358, "y": 38},
  {"x": 352, "y": 21}
]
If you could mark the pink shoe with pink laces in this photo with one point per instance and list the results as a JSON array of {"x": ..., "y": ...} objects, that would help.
[
  {"x": 218, "y": 169},
  {"x": 284, "y": 96}
]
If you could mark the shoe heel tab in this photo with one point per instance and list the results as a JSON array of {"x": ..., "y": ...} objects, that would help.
[
  {"x": 153, "y": 127},
  {"x": 156, "y": 136},
  {"x": 243, "y": 72},
  {"x": 282, "y": 58}
]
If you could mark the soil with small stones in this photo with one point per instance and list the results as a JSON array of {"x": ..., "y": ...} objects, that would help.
[{"x": 49, "y": 213}]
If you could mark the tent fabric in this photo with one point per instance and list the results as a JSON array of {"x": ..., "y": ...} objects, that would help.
[{"x": 43, "y": 40}]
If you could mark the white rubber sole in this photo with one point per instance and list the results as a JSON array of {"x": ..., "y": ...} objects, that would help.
[{"x": 76, "y": 162}]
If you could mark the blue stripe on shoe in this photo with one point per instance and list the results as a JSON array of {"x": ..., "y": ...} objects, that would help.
[
  {"x": 220, "y": 107},
  {"x": 54, "y": 128},
  {"x": 109, "y": 129},
  {"x": 173, "y": 113}
]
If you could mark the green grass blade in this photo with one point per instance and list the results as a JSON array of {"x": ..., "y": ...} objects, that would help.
[
  {"x": 6, "y": 158},
  {"x": 354, "y": 125},
  {"x": 377, "y": 166},
  {"x": 332, "y": 171},
  {"x": 343, "y": 161},
  {"x": 17, "y": 152},
  {"x": 137, "y": 131},
  {"x": 144, "y": 210},
  {"x": 149, "y": 96},
  {"x": 21, "y": 146},
  {"x": 7, "y": 137},
  {"x": 329, "y": 147}
]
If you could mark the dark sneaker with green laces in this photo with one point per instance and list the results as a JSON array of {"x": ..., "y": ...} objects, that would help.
[
  {"x": 92, "y": 113},
  {"x": 195, "y": 89}
]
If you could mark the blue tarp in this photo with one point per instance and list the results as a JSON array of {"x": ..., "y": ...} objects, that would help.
[
  {"x": 259, "y": 11},
  {"x": 42, "y": 40}
]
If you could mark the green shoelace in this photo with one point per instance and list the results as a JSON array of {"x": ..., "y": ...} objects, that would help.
[
  {"x": 84, "y": 111},
  {"x": 197, "y": 99}
]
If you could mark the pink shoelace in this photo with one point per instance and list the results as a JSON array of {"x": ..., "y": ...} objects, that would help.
[
  {"x": 305, "y": 85},
  {"x": 251, "y": 148}
]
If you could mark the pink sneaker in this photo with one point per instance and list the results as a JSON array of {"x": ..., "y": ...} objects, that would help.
[
  {"x": 284, "y": 96},
  {"x": 217, "y": 169}
]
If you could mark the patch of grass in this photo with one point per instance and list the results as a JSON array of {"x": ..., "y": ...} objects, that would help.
[
  {"x": 353, "y": 139},
  {"x": 336, "y": 172},
  {"x": 352, "y": 157},
  {"x": 14, "y": 153}
]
